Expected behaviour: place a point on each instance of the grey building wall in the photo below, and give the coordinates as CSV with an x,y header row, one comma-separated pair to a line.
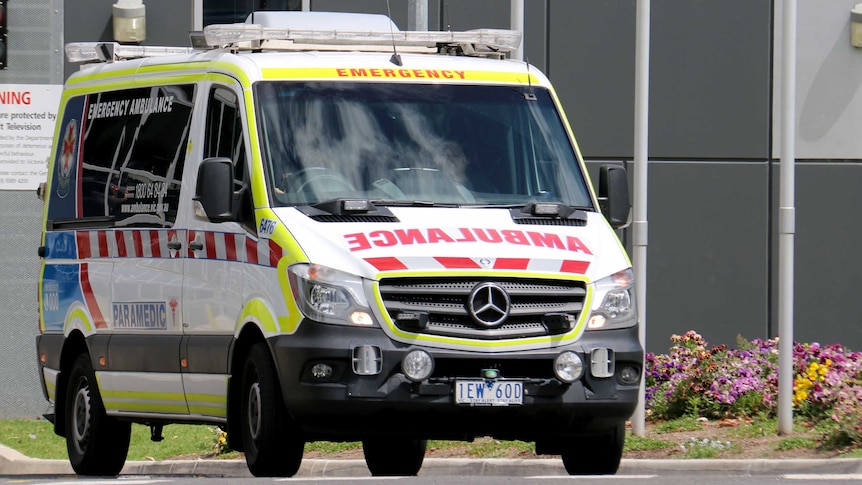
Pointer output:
x,y
168,23
34,57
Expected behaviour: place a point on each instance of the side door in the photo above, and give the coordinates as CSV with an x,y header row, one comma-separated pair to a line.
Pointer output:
x,y
214,270
133,157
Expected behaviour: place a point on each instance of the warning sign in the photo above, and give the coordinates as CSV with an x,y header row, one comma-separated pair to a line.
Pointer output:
x,y
28,113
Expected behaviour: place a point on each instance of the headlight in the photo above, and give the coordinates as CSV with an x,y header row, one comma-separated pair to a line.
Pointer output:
x,y
328,295
614,302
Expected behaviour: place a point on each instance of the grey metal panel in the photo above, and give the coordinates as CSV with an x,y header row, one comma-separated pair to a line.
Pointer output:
x,y
709,76
144,353
827,281
707,257
710,79
398,8
828,82
35,32
591,63
166,23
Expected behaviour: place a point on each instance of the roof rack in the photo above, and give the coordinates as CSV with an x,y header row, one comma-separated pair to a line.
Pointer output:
x,y
480,42
255,37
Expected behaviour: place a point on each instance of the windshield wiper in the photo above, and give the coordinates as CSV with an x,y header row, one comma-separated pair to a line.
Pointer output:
x,y
411,203
550,210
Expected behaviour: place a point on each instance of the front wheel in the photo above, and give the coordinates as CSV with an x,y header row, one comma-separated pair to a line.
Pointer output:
x,y
394,457
97,444
273,448
595,455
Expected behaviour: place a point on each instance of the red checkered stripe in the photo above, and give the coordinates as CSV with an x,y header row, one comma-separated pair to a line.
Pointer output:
x,y
512,264
153,243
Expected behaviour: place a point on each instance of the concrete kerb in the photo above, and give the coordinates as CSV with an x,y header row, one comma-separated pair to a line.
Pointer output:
x,y
13,463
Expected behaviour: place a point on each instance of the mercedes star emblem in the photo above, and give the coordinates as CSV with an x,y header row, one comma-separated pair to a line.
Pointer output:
x,y
489,304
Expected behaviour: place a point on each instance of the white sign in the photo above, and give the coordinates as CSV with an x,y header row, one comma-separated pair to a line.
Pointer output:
x,y
28,113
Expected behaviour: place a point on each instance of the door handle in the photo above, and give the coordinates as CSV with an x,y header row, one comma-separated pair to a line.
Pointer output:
x,y
196,246
175,245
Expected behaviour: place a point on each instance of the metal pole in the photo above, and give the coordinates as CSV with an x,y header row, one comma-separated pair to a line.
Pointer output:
x,y
197,15
417,15
516,21
786,218
639,223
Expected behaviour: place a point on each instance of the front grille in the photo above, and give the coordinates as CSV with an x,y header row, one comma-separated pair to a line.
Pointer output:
x,y
439,306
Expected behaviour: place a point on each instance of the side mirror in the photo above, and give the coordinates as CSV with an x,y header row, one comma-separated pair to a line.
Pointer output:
x,y
214,189
614,195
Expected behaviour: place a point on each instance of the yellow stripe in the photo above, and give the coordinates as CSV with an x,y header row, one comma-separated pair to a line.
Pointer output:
x,y
147,407
257,310
208,398
220,412
143,395
79,313
398,74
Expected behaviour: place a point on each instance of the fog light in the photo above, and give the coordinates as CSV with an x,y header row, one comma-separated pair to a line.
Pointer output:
x,y
417,365
568,367
321,371
367,360
629,375
596,321
361,318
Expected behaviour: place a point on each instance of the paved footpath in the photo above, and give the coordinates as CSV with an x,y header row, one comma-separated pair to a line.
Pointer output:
x,y
13,463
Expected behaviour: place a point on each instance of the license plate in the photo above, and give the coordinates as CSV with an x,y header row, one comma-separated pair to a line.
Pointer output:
x,y
489,393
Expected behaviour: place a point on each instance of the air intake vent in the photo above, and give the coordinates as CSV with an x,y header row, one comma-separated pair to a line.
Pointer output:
x,y
354,218
544,221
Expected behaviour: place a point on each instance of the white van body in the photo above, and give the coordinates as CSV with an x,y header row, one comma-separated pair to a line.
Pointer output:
x,y
298,235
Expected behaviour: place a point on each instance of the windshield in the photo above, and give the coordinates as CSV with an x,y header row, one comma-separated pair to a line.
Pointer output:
x,y
429,143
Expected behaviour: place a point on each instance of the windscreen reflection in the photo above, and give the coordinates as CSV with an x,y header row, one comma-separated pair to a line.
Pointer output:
x,y
441,144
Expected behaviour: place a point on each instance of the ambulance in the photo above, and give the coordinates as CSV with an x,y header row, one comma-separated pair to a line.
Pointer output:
x,y
314,226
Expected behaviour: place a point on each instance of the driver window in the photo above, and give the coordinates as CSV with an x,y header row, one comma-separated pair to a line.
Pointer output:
x,y
224,138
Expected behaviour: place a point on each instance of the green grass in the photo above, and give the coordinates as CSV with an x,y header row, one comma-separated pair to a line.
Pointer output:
x,y
36,439
685,423
640,443
797,442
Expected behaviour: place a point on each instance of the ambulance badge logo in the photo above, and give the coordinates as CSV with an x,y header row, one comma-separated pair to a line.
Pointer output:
x,y
66,162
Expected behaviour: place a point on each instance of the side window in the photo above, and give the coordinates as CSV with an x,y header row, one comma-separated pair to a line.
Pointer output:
x,y
224,138
120,160
224,135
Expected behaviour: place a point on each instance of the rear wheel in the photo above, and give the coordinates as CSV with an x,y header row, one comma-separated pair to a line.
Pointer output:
x,y
273,447
394,457
595,455
97,444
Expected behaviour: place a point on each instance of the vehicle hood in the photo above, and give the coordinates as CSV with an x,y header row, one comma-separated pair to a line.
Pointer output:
x,y
431,240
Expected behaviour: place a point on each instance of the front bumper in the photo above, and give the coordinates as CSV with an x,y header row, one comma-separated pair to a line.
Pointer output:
x,y
347,406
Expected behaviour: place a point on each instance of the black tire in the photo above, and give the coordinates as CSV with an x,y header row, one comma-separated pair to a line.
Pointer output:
x,y
595,455
97,444
273,447
394,457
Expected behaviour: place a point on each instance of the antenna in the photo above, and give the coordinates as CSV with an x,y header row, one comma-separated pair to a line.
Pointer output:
x,y
529,95
395,59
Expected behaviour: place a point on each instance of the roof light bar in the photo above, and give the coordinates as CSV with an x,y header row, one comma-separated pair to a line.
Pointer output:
x,y
112,51
228,35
